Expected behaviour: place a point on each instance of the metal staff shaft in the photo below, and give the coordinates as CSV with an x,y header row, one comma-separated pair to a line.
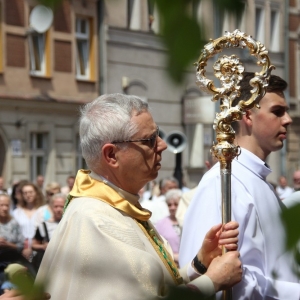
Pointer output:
x,y
226,193
225,151
226,208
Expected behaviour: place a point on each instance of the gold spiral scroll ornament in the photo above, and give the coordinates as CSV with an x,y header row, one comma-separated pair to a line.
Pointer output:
x,y
229,70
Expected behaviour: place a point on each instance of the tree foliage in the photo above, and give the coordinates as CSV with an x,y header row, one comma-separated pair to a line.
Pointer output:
x,y
182,33
291,220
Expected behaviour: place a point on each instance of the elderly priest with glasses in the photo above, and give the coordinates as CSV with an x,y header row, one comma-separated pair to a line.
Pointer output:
x,y
105,247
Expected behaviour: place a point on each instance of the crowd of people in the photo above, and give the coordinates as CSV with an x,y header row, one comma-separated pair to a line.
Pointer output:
x,y
120,241
29,213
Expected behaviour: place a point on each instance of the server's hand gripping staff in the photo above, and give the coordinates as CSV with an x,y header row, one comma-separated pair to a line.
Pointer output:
x,y
229,70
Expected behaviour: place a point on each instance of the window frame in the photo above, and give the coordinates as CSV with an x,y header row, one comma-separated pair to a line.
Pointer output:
x,y
40,45
86,56
260,24
37,153
274,30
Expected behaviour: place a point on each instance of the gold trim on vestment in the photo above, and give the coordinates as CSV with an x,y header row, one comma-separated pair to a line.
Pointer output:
x,y
86,186
168,260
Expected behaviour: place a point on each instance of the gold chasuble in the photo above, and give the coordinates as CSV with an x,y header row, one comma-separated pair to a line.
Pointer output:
x,y
86,186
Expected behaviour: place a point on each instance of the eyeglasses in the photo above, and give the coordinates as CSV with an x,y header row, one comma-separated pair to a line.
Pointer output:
x,y
151,140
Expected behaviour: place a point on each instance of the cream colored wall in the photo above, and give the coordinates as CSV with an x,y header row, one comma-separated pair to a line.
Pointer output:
x,y
59,120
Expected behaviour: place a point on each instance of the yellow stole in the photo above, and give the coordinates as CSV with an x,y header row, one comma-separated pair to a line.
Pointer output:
x,y
86,186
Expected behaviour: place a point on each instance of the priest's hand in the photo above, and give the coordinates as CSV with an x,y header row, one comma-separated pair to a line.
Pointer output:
x,y
225,271
219,235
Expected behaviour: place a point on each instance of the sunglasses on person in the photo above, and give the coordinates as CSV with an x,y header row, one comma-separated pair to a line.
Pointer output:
x,y
152,140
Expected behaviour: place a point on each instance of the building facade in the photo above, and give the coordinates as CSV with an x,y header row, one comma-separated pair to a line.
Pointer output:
x,y
95,47
44,78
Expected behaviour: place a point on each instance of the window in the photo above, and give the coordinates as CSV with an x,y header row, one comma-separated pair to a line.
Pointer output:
x,y
259,25
240,22
37,53
80,161
226,26
83,48
274,31
218,21
130,5
150,13
38,154
134,15
153,16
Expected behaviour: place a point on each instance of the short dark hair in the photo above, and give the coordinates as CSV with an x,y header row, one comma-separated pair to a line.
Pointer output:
x,y
276,85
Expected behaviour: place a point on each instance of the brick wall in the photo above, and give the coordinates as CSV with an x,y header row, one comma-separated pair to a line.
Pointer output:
x,y
14,12
293,3
293,22
15,49
62,18
63,56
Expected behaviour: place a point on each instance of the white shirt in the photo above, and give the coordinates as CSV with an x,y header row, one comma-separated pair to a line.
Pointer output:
x,y
158,207
284,192
28,225
261,239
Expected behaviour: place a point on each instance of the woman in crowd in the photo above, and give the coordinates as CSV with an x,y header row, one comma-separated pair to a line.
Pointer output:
x,y
45,230
169,227
26,214
16,195
45,212
10,232
11,238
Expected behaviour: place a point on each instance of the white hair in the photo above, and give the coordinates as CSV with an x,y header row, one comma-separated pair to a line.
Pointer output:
x,y
173,194
57,196
107,119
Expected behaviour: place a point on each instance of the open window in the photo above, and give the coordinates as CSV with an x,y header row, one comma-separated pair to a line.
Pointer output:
x,y
83,38
37,53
